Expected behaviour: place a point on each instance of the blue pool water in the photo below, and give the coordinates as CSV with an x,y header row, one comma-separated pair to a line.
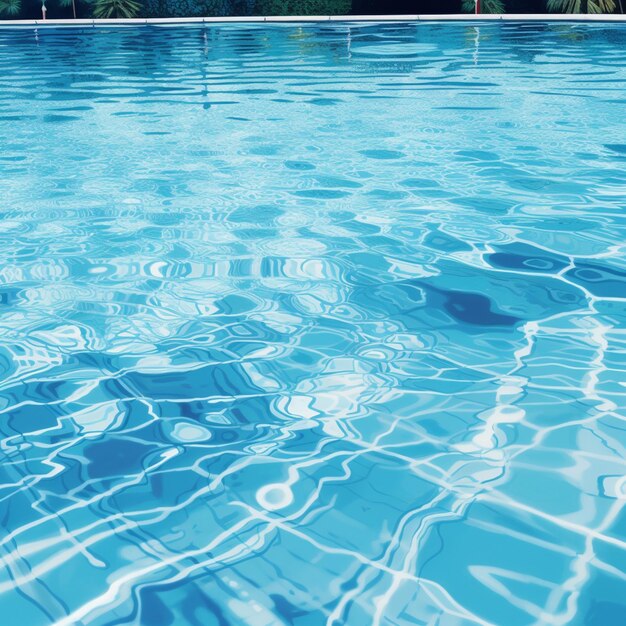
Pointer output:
x,y
318,324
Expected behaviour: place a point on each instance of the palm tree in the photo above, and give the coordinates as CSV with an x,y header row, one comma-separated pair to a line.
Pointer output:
x,y
303,7
14,7
581,6
486,6
116,8
10,7
67,3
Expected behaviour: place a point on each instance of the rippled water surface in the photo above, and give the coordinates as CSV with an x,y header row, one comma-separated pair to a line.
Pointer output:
x,y
311,325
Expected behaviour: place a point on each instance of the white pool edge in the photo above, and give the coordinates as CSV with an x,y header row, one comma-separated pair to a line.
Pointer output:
x,y
458,17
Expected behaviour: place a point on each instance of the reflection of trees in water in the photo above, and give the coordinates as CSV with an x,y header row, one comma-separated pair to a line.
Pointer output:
x,y
525,45
205,54
339,44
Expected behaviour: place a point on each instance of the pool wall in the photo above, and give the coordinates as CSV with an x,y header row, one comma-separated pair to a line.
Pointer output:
x,y
524,17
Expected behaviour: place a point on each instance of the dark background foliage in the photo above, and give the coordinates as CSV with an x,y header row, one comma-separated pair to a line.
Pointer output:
x,y
187,8
31,9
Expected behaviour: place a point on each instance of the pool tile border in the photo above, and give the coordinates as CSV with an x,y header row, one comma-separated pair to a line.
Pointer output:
x,y
515,17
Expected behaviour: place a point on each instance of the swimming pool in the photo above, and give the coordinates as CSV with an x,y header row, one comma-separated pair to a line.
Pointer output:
x,y
313,324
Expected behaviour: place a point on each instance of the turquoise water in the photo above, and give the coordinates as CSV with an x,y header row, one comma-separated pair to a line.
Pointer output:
x,y
319,324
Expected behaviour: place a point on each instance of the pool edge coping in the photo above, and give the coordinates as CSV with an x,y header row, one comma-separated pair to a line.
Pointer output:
x,y
456,17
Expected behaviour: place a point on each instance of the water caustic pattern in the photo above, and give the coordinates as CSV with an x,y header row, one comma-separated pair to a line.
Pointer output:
x,y
309,325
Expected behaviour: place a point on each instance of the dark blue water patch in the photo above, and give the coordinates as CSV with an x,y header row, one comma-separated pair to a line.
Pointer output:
x,y
387,194
265,150
9,296
72,476
21,511
527,295
16,118
236,304
164,604
190,409
419,183
601,601
486,299
467,108
478,155
170,488
604,613
154,612
92,359
253,91
52,118
521,256
467,307
473,308
7,363
301,93
40,391
193,600
11,171
116,456
600,280
324,102
220,379
620,148
31,417
133,114
299,165
296,615
238,421
76,108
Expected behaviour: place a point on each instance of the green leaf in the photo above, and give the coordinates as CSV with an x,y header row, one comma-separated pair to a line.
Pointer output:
x,y
116,8
486,6
10,7
579,6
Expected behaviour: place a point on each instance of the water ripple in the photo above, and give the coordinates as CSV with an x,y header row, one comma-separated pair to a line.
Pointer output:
x,y
313,324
